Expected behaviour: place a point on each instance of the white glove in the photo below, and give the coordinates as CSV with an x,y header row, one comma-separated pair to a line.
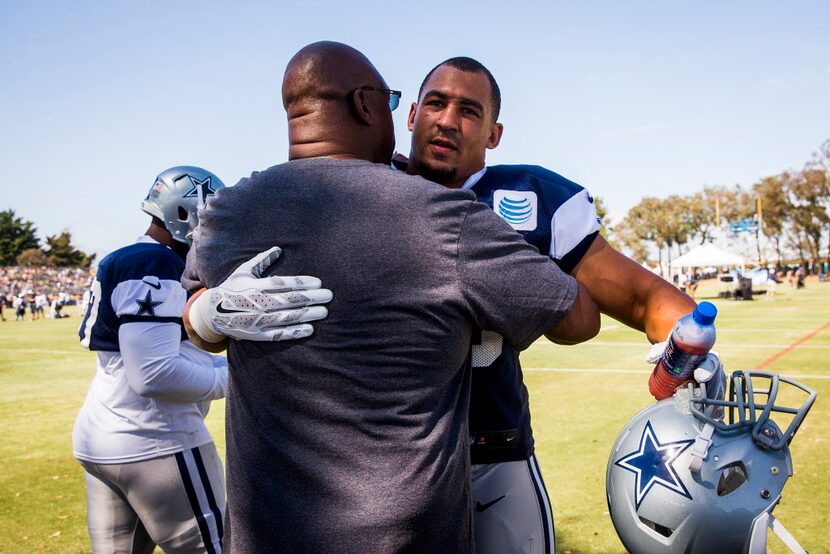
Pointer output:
x,y
248,306
656,352
711,372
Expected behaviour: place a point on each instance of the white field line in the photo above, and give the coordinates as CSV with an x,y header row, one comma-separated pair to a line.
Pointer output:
x,y
7,348
719,345
630,371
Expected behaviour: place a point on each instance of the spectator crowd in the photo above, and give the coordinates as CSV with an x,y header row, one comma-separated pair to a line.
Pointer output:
x,y
41,291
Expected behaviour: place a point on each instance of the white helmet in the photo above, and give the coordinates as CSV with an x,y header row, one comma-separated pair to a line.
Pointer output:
x,y
680,481
176,196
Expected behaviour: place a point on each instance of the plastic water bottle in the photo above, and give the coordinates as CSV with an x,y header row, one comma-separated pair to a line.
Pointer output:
x,y
692,338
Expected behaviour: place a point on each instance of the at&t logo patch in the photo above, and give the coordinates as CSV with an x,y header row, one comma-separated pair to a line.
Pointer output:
x,y
518,208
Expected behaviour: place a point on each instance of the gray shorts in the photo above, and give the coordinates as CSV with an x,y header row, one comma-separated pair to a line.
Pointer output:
x,y
176,502
511,510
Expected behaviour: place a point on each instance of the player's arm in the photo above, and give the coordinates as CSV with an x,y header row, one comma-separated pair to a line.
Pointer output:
x,y
514,291
221,340
155,368
581,323
640,299
629,293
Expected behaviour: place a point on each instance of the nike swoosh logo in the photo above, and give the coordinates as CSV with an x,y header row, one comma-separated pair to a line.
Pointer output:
x,y
223,310
155,285
481,507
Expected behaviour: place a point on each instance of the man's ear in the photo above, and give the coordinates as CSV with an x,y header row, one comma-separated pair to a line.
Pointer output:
x,y
361,107
495,135
410,120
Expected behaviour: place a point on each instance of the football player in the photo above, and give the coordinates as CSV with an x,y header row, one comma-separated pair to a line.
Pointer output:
x,y
453,124
153,476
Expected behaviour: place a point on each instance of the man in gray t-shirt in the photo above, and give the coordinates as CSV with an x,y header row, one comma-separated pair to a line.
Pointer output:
x,y
356,439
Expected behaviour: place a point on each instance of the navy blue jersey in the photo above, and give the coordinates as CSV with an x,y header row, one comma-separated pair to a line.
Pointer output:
x,y
140,282
559,218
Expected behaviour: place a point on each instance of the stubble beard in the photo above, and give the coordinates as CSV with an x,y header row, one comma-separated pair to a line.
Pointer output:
x,y
440,175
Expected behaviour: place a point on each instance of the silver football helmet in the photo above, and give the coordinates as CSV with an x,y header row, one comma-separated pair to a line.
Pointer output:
x,y
682,480
176,196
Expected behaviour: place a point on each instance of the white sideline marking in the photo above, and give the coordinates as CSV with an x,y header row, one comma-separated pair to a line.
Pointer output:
x,y
44,350
718,346
631,371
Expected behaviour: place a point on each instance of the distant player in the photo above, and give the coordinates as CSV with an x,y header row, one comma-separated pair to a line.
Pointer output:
x,y
153,476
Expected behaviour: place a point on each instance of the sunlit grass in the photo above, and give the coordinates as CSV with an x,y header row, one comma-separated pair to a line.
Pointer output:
x,y
44,376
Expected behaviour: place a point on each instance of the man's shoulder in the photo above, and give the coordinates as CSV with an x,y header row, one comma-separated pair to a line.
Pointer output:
x,y
530,173
139,260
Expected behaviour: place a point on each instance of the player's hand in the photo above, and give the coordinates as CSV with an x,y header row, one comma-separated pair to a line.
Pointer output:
x,y
710,370
248,306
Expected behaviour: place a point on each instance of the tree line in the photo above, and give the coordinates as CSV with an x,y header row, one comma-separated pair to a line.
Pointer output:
x,y
788,209
20,245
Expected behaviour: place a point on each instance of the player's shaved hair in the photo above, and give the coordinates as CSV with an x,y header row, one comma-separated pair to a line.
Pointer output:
x,y
328,112
463,63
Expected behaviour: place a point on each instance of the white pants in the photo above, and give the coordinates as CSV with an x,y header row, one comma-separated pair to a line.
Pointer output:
x,y
176,502
511,510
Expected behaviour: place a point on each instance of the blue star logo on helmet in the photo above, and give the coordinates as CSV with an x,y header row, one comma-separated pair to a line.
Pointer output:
x,y
205,186
652,466
518,208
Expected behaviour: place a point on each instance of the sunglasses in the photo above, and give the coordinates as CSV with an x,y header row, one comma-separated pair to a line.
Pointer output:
x,y
394,96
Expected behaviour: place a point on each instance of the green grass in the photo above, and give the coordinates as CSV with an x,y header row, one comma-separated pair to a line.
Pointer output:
x,y
44,376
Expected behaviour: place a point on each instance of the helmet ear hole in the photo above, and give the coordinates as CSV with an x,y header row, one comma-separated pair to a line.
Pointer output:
x,y
731,478
663,530
182,213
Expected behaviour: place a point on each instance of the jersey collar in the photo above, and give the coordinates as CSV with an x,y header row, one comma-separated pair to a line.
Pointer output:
x,y
146,239
474,178
468,184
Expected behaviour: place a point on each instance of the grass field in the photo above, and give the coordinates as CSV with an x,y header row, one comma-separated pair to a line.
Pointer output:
x,y
577,405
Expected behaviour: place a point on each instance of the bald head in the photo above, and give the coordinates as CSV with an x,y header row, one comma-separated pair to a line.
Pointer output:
x,y
329,112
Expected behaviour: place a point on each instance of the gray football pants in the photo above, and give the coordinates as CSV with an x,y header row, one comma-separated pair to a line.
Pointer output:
x,y
511,511
176,502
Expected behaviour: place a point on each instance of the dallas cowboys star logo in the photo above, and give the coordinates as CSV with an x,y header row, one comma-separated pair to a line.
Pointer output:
x,y
205,184
652,466
147,306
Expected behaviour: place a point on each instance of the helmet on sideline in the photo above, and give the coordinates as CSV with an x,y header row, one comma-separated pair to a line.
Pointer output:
x,y
680,480
176,196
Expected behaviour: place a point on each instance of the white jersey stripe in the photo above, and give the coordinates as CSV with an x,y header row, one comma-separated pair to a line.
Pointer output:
x,y
544,503
92,313
208,524
571,223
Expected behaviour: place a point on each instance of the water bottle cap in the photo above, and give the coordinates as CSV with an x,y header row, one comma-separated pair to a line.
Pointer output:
x,y
705,313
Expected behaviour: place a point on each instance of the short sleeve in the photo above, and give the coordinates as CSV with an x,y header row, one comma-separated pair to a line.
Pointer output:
x,y
573,228
509,287
149,299
190,278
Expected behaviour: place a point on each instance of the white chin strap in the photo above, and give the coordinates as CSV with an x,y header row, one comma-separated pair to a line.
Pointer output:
x,y
758,538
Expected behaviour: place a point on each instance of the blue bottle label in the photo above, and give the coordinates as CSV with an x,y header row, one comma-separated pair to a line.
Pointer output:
x,y
680,363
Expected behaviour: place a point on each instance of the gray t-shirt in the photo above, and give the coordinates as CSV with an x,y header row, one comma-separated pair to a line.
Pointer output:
x,y
356,439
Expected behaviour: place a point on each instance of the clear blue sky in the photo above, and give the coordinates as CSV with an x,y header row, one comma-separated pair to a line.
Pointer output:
x,y
627,98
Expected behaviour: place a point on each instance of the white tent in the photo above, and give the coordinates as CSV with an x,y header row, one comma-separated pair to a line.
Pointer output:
x,y
707,255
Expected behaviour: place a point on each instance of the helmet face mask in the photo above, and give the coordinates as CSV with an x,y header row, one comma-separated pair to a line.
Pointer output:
x,y
176,196
659,504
